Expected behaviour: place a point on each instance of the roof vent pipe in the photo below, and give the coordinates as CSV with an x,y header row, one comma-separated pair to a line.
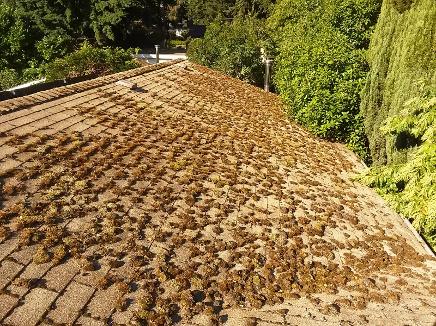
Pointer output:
x,y
157,53
268,66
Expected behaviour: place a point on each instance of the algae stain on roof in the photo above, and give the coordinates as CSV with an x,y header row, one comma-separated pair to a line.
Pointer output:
x,y
192,199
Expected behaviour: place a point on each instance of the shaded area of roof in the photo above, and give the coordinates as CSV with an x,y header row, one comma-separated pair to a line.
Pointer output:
x,y
189,199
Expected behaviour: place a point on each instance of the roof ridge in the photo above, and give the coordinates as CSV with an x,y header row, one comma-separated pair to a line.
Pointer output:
x,y
20,103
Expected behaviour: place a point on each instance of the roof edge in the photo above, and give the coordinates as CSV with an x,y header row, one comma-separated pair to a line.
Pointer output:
x,y
20,103
418,237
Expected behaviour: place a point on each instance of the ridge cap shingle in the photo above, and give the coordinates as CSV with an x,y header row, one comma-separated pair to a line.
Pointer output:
x,y
23,102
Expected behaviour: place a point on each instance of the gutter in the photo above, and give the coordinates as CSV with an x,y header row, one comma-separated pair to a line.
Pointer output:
x,y
25,85
41,85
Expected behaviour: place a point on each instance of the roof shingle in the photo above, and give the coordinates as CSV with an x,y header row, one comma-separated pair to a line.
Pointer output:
x,y
192,195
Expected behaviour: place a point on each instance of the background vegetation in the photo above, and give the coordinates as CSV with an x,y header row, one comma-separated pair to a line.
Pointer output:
x,y
402,52
36,32
90,60
398,105
233,48
321,66
411,186
206,12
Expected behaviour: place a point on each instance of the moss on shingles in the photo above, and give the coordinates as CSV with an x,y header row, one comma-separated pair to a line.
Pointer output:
x,y
402,52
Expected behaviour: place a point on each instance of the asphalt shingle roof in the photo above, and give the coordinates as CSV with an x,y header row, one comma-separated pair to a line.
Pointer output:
x,y
193,200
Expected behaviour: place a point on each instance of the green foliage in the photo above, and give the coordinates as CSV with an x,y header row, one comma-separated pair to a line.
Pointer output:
x,y
321,66
90,60
35,32
233,48
411,186
107,16
53,45
356,20
107,22
8,78
402,51
176,43
402,5
12,39
206,12
34,71
51,26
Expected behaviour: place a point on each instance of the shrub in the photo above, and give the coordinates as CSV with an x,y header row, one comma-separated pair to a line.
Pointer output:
x,y
8,78
53,45
321,66
233,48
402,51
33,72
411,186
13,38
90,60
319,75
175,43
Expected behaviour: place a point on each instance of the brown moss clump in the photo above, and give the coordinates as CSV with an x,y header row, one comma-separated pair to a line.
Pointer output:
x,y
115,263
121,303
59,253
123,287
41,255
331,309
25,282
25,237
105,281
87,264
4,231
12,186
146,304
251,321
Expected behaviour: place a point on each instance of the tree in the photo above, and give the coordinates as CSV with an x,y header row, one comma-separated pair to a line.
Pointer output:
x,y
410,187
205,12
233,48
13,56
321,67
35,32
114,22
402,52
13,38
